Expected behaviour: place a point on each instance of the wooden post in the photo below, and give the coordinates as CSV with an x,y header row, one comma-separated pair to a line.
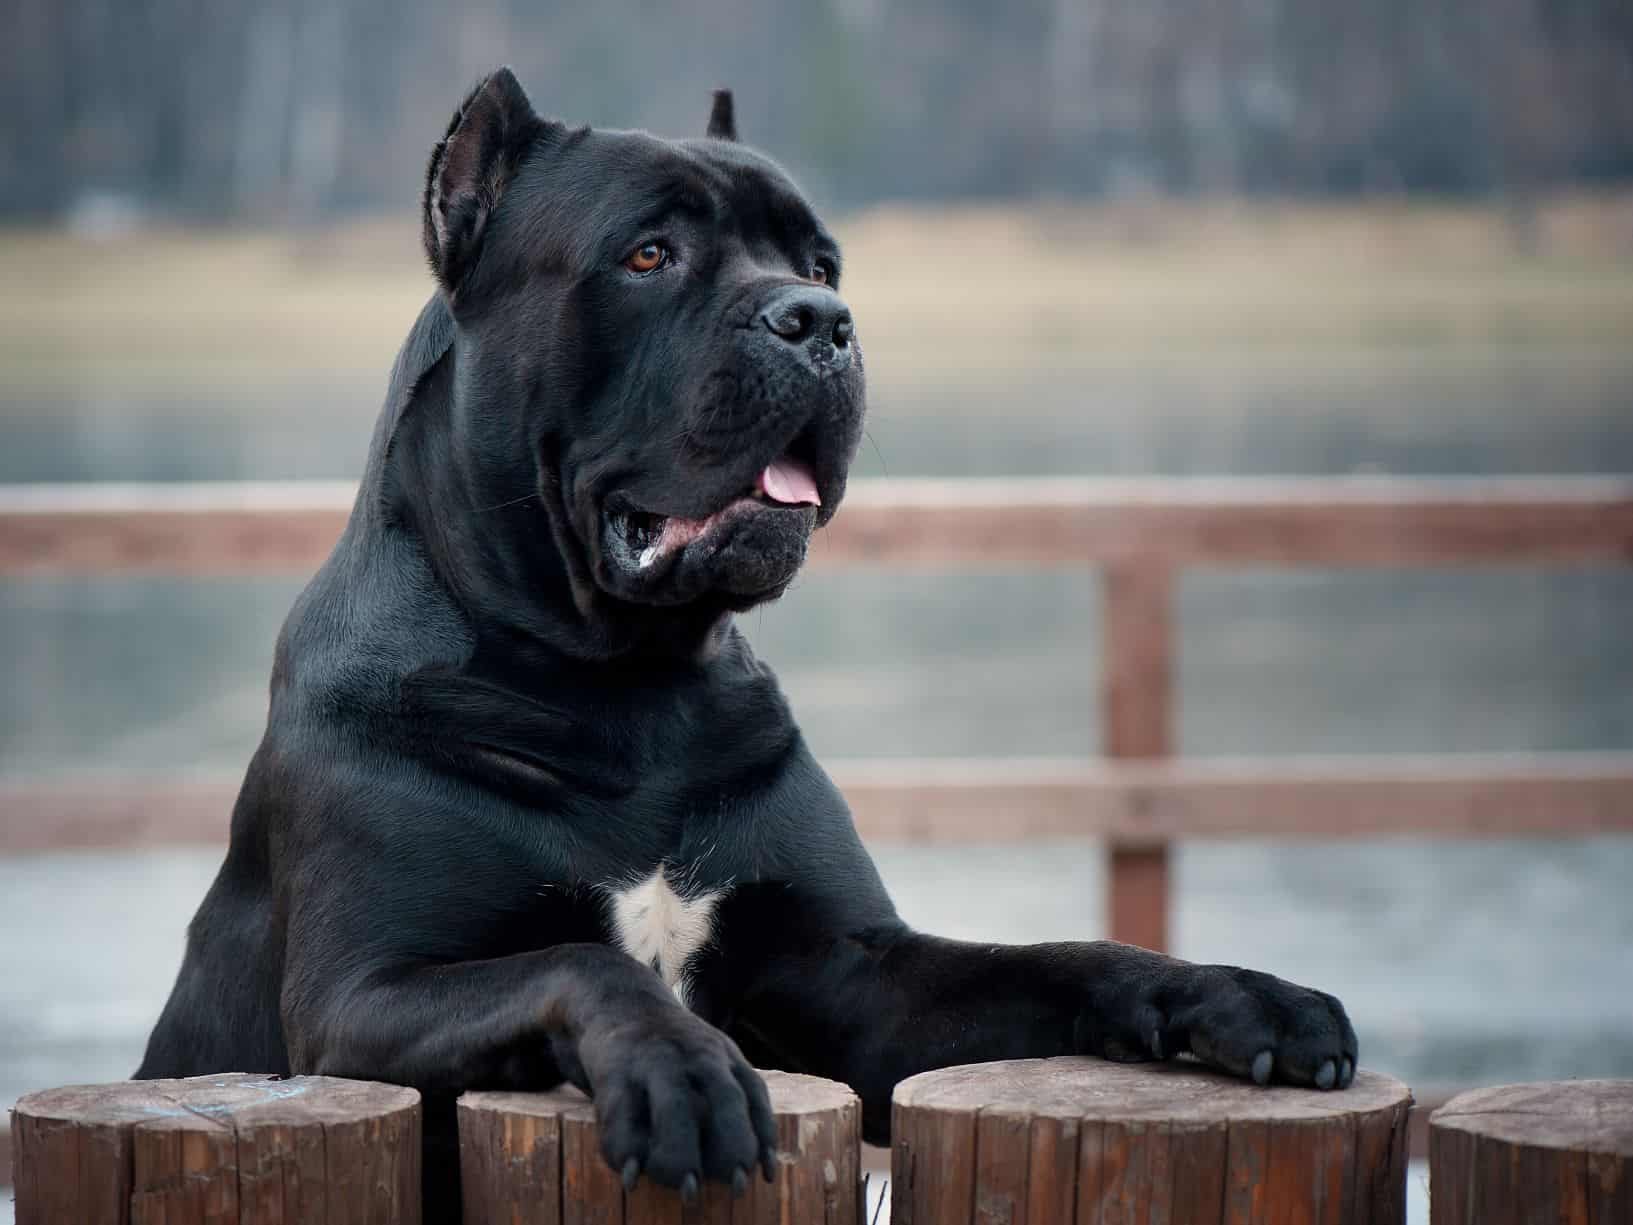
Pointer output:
x,y
535,1159
234,1149
1136,702
1077,1141
1555,1153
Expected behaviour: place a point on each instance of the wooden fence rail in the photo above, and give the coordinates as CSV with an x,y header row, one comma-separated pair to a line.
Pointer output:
x,y
1141,533
1135,805
272,527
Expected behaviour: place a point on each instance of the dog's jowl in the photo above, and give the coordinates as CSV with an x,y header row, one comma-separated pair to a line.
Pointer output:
x,y
528,808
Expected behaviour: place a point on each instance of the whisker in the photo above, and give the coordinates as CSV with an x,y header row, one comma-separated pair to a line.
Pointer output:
x,y
526,497
880,455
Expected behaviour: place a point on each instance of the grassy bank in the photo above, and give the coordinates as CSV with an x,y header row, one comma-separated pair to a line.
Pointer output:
x,y
938,292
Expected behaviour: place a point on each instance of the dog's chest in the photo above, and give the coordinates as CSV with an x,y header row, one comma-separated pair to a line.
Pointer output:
x,y
663,928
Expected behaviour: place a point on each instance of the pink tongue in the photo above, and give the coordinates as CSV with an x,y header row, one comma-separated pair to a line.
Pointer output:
x,y
788,480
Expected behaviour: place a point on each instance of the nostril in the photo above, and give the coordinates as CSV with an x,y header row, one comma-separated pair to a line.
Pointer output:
x,y
844,329
793,322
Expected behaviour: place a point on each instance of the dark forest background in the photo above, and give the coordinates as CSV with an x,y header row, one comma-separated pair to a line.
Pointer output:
x,y
290,110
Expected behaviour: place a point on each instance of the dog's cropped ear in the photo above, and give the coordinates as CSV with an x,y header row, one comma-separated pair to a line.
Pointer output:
x,y
486,140
722,119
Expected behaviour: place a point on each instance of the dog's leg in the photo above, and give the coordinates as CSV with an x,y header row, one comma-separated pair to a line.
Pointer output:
x,y
876,1006
676,1099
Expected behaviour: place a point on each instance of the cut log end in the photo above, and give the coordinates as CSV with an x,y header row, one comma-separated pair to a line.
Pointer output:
x,y
1559,1151
535,1159
225,1148
1073,1140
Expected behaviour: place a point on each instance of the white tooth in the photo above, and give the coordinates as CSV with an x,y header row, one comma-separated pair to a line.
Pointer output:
x,y
648,556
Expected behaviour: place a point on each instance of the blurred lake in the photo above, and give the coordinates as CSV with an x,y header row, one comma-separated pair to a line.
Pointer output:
x,y
163,674
1469,961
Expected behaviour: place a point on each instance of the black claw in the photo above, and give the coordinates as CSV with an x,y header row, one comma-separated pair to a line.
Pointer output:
x,y
768,1165
688,1188
1261,1068
1326,1075
1156,1044
739,1181
632,1173
1346,1073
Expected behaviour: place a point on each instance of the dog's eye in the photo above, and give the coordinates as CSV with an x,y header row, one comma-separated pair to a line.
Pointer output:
x,y
648,257
823,272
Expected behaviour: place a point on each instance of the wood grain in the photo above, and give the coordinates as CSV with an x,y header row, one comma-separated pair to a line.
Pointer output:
x,y
234,1149
1134,804
1136,715
289,527
535,1159
1142,531
1557,1153
1157,1144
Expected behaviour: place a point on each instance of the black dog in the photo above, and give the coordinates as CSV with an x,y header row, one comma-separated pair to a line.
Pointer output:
x,y
528,809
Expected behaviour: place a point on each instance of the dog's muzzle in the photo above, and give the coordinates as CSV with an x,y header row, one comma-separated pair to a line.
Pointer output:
x,y
814,322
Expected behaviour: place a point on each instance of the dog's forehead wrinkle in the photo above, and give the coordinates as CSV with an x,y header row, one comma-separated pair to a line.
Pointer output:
x,y
753,182
591,195
577,200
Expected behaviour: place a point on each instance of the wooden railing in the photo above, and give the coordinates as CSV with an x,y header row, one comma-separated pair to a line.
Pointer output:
x,y
1140,533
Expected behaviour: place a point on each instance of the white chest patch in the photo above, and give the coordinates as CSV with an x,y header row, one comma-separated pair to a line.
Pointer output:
x,y
661,929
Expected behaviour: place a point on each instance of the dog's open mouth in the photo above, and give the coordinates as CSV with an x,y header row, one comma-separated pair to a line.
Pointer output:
x,y
785,484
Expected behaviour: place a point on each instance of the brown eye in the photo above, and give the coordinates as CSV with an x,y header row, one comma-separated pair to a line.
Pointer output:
x,y
647,257
821,274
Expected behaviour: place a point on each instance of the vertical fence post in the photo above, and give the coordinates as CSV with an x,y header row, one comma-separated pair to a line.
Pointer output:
x,y
1136,701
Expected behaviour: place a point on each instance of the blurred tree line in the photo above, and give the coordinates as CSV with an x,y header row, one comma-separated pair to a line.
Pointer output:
x,y
296,109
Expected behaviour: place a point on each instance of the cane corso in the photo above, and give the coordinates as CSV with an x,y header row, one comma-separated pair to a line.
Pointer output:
x,y
528,808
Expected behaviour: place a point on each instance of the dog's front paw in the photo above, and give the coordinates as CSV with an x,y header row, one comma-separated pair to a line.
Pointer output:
x,y
1254,1025
1263,1027
676,1100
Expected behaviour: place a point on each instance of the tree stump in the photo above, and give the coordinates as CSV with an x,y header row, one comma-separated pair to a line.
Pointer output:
x,y
1559,1154
1075,1141
234,1149
535,1159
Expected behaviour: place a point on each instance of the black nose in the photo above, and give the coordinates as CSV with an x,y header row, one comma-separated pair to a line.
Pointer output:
x,y
803,313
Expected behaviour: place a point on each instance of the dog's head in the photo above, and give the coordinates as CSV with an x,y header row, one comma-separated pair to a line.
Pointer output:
x,y
650,337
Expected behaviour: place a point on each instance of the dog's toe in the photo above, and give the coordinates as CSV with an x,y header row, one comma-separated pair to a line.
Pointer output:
x,y
682,1107
1265,1029
1263,1062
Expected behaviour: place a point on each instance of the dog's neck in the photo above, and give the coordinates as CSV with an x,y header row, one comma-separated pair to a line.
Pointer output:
x,y
456,471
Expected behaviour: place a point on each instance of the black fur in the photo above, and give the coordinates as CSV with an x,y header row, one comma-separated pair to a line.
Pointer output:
x,y
485,710
490,133
722,117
